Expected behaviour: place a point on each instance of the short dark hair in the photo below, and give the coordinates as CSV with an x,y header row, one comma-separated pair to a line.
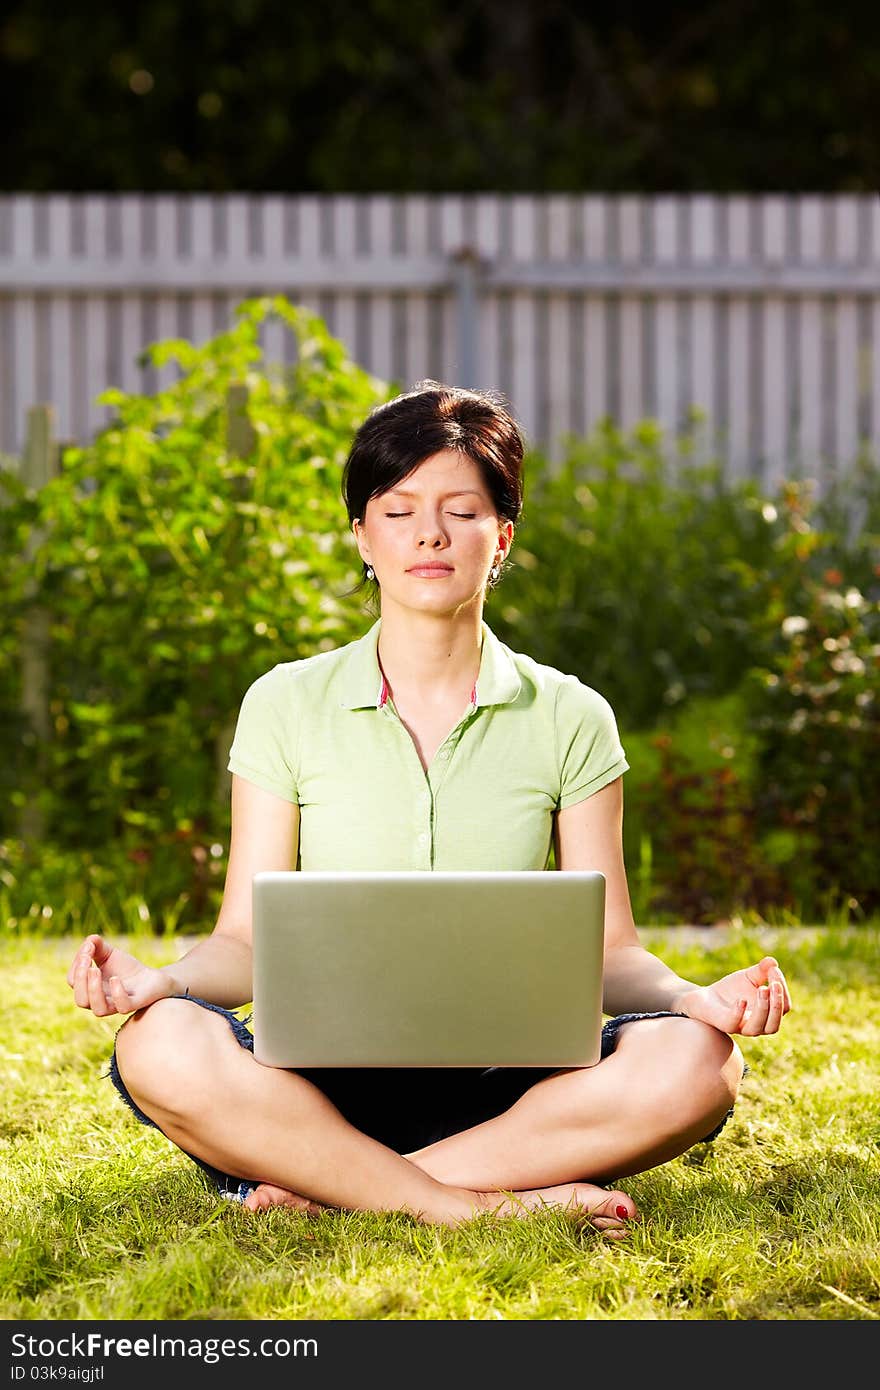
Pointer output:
x,y
401,433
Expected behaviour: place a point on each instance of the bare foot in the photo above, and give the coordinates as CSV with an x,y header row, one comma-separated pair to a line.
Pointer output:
x,y
267,1195
610,1211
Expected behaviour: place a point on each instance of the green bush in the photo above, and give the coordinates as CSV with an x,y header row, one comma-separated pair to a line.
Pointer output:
x,y
175,572
690,840
644,582
815,705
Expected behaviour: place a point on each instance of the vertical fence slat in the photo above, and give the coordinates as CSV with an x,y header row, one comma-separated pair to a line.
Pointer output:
x,y
873,368
310,245
201,253
7,375
667,362
24,360
97,366
523,247
61,338
201,318
704,253
556,414
488,242
810,385
627,384
95,314
345,302
739,353
164,317
775,402
381,356
846,374
131,338
594,232
273,331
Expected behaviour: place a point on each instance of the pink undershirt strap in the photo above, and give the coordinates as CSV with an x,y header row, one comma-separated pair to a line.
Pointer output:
x,y
383,694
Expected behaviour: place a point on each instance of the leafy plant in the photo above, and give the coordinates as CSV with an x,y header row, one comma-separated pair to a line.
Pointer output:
x,y
816,705
174,572
643,582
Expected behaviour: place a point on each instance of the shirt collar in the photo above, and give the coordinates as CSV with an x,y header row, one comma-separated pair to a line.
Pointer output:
x,y
498,682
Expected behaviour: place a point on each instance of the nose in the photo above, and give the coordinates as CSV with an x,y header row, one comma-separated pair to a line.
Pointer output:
x,y
431,533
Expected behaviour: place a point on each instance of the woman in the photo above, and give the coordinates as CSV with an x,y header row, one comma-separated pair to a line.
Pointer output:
x,y
488,758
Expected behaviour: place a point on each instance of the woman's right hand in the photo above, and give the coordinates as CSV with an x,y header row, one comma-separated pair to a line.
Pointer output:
x,y
109,981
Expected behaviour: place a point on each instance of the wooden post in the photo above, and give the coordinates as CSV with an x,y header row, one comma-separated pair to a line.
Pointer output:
x,y
39,463
241,437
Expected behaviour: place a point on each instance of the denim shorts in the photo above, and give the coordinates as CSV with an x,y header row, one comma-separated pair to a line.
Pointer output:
x,y
404,1108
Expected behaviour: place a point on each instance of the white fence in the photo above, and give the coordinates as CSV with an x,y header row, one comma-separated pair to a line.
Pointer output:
x,y
763,312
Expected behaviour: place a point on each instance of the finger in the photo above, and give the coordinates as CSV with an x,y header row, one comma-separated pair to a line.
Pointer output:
x,y
776,1007
759,974
101,949
82,968
755,1017
97,997
741,1017
83,954
120,996
777,977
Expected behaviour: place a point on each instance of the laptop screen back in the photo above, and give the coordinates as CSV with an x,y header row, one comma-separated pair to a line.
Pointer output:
x,y
423,969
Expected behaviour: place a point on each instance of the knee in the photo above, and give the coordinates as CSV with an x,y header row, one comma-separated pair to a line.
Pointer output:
x,y
692,1071
157,1053
705,1070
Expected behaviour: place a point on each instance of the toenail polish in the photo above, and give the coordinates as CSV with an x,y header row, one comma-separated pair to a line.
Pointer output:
x,y
622,1213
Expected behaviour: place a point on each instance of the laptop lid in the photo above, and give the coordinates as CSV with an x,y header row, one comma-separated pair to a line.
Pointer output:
x,y
424,969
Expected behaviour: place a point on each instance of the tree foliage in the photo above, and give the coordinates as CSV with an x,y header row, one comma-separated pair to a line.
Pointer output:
x,y
440,95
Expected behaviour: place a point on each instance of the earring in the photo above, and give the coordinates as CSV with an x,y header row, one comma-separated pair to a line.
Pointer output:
x,y
371,573
494,571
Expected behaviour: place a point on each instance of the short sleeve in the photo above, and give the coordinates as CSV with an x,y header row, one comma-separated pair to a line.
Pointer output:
x,y
263,748
590,752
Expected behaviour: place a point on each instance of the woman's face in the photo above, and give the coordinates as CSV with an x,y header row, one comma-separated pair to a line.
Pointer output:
x,y
433,539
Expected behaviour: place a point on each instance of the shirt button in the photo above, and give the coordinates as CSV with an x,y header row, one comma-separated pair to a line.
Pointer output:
x,y
423,839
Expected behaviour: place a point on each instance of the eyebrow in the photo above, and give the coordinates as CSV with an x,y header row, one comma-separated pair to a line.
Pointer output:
x,y
465,492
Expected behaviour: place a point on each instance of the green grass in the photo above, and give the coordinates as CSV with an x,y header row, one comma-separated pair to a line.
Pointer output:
x,y
778,1219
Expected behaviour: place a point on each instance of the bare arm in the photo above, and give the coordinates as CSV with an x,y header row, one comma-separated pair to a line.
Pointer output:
x,y
265,836
589,835
752,1001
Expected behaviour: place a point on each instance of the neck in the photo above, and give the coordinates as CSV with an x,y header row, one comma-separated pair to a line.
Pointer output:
x,y
433,657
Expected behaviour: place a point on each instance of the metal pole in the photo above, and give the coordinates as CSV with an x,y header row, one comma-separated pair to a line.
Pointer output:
x,y
466,272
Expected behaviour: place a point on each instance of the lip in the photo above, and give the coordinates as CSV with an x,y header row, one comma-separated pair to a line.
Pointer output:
x,y
429,571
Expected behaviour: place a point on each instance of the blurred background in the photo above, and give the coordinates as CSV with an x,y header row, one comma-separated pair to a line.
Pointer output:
x,y
227,230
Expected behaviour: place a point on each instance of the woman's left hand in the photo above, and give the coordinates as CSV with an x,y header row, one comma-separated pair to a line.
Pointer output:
x,y
750,1002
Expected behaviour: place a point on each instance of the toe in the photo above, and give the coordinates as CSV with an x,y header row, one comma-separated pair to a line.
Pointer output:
x,y
620,1207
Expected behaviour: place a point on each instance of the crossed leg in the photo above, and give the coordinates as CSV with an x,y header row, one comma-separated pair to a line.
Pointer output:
x,y
669,1083
639,1107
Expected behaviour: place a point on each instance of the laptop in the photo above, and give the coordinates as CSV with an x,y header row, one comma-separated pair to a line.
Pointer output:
x,y
428,969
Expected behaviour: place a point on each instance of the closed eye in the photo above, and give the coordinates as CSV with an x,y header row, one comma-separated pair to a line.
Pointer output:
x,y
465,516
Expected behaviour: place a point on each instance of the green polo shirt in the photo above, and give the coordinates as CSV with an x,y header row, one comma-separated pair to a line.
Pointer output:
x,y
323,733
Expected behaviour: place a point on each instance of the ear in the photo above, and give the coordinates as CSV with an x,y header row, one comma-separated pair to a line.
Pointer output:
x,y
360,540
505,539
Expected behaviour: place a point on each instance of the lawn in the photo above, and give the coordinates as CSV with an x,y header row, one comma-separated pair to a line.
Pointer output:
x,y
779,1219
